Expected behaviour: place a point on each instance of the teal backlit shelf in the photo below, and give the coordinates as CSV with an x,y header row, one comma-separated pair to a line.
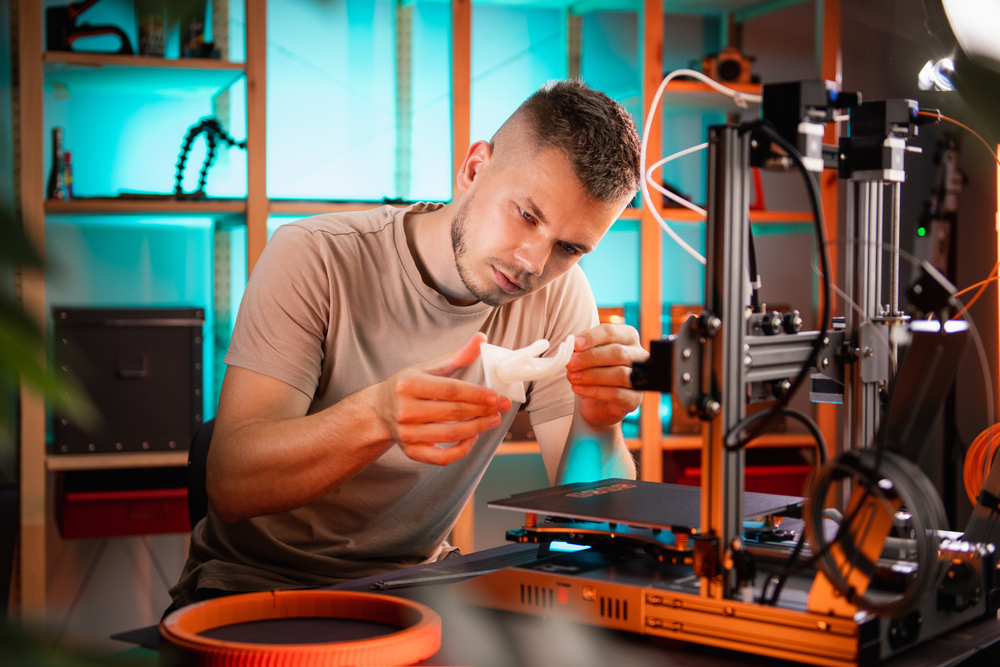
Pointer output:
x,y
745,8
123,206
139,75
319,206
574,6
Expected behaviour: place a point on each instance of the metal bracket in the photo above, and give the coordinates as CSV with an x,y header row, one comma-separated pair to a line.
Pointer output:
x,y
777,357
687,350
874,357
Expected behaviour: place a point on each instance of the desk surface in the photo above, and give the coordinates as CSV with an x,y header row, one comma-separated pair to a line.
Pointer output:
x,y
487,638
490,638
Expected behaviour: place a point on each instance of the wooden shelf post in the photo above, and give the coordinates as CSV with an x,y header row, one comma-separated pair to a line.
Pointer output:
x,y
461,84
256,73
463,534
31,191
650,308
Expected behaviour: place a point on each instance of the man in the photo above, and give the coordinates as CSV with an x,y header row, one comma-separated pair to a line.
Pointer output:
x,y
355,356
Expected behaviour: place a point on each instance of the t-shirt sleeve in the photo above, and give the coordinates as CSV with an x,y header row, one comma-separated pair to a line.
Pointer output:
x,y
283,318
570,310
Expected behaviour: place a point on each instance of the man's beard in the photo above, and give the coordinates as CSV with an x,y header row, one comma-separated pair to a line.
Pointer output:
x,y
458,246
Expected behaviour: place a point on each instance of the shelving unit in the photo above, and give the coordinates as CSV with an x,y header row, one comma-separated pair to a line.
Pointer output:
x,y
115,74
196,76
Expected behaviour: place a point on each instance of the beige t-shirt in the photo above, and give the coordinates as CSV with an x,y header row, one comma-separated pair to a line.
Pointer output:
x,y
336,304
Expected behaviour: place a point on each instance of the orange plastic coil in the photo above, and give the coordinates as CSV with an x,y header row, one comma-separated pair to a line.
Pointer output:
x,y
979,460
418,638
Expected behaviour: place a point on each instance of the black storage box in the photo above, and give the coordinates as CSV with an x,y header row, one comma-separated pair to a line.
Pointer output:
x,y
142,369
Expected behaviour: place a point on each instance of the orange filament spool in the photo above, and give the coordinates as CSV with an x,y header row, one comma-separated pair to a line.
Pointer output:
x,y
418,637
979,460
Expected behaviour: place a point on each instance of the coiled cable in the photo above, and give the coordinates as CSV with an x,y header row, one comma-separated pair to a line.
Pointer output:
x,y
979,460
887,476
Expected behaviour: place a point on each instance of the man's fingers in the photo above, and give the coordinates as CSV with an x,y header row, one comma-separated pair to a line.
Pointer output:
x,y
425,452
608,376
445,431
606,355
604,334
460,358
418,411
432,387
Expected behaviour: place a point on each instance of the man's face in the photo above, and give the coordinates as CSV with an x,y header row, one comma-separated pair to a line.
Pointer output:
x,y
524,223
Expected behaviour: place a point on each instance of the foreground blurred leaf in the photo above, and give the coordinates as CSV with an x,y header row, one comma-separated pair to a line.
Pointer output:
x,y
21,353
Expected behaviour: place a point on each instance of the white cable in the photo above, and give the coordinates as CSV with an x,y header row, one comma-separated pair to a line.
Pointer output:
x,y
672,195
740,99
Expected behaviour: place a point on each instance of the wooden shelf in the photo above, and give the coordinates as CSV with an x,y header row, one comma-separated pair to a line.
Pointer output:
x,y
684,93
756,217
139,75
124,206
781,217
712,7
316,207
510,447
575,6
118,205
118,461
681,442
96,60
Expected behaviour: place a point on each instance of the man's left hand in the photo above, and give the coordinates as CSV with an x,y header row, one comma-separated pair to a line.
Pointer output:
x,y
599,372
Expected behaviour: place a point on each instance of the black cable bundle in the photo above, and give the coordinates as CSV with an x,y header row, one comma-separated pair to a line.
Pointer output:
x,y
763,423
213,133
882,474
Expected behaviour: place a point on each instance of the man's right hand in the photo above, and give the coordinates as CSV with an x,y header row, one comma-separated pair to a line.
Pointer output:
x,y
424,405
269,454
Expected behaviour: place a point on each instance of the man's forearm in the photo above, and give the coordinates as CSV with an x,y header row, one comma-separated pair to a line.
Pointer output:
x,y
594,453
264,466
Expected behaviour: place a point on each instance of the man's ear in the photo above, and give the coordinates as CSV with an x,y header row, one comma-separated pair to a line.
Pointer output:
x,y
477,158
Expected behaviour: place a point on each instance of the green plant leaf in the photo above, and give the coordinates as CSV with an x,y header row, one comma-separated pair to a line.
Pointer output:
x,y
20,359
15,247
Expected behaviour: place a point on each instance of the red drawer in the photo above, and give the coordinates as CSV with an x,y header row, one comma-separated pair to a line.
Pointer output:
x,y
90,514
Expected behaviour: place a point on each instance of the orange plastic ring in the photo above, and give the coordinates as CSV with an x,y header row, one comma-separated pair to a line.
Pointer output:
x,y
419,636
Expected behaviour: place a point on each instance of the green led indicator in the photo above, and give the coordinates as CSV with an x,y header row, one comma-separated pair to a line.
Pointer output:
x,y
921,231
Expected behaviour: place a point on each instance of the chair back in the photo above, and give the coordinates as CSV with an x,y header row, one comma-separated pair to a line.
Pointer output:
x,y
197,466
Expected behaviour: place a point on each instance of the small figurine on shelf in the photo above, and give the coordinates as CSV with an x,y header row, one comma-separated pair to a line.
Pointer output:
x,y
150,22
67,174
57,187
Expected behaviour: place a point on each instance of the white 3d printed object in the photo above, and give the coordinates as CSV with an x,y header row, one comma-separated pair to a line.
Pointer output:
x,y
508,370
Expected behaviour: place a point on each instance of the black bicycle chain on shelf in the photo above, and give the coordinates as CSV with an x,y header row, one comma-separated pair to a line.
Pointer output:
x,y
213,133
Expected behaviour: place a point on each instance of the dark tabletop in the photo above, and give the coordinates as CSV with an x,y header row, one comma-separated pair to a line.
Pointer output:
x,y
490,638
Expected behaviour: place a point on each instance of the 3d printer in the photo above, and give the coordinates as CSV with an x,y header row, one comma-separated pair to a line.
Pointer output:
x,y
860,569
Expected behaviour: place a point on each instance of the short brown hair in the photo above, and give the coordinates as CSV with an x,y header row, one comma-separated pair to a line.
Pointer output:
x,y
596,134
